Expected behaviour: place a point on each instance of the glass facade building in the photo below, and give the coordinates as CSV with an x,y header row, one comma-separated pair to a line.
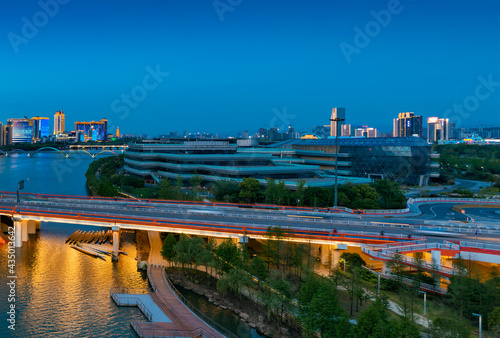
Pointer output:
x,y
40,128
405,160
94,130
21,130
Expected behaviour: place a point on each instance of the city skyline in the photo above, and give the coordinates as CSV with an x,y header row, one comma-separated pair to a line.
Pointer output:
x,y
256,63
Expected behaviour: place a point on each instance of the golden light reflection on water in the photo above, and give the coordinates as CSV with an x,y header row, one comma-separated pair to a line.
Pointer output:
x,y
64,292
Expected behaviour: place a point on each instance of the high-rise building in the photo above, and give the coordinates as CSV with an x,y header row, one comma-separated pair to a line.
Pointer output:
x,y
371,132
40,128
59,123
336,113
359,132
94,130
346,130
21,130
452,131
437,129
1,134
117,132
6,135
407,124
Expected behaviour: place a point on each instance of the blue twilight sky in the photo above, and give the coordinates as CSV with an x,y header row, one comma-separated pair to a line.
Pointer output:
x,y
230,65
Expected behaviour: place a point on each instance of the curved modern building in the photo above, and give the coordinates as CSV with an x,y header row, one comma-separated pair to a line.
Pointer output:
x,y
361,160
406,160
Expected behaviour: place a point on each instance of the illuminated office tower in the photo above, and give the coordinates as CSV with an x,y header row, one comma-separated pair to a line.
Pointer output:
x,y
346,130
336,113
59,124
371,132
40,127
94,130
407,124
359,132
437,129
21,130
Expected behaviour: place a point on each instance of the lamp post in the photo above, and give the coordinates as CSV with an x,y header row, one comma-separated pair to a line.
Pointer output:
x,y
480,322
378,285
425,300
20,186
336,120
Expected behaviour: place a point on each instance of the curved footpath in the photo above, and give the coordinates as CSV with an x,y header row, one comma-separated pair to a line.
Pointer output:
x,y
183,320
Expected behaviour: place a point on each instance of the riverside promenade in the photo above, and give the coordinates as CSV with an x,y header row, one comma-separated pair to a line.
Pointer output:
x,y
183,322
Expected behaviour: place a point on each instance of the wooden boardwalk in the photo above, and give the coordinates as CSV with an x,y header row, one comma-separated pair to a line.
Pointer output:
x,y
184,322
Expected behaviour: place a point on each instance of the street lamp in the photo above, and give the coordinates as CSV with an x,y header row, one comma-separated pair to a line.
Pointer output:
x,y
336,120
425,300
480,322
20,186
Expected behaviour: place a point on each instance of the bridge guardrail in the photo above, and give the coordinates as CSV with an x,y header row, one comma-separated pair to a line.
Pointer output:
x,y
330,221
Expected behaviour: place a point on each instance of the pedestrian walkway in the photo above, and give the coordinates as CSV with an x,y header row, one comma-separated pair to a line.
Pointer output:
x,y
154,313
182,319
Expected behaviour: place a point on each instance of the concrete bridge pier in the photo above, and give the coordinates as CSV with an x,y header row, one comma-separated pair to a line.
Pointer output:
x,y
17,236
325,253
24,230
116,242
32,227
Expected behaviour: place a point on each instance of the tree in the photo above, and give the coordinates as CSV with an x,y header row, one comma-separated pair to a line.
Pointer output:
x,y
196,182
187,250
206,256
178,187
300,191
235,280
271,191
166,191
390,194
398,267
320,310
223,190
249,187
258,268
374,321
353,260
282,193
448,327
229,256
167,250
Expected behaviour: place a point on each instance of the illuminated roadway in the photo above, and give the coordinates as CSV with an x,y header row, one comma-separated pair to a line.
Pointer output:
x,y
199,214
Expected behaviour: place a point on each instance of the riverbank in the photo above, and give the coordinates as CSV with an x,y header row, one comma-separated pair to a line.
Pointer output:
x,y
247,310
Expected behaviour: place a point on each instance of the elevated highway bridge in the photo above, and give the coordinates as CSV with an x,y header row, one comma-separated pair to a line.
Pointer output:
x,y
330,230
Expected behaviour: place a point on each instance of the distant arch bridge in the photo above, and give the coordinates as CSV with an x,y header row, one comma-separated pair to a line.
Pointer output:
x,y
66,154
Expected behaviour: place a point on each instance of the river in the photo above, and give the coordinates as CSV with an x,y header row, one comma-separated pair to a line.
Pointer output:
x,y
61,292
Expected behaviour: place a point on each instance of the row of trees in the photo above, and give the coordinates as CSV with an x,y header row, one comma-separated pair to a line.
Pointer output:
x,y
475,162
314,300
103,180
379,194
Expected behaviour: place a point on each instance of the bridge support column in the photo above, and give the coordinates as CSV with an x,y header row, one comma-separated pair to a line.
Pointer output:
x,y
24,231
37,225
335,258
219,241
325,253
386,269
436,256
116,242
31,227
17,228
